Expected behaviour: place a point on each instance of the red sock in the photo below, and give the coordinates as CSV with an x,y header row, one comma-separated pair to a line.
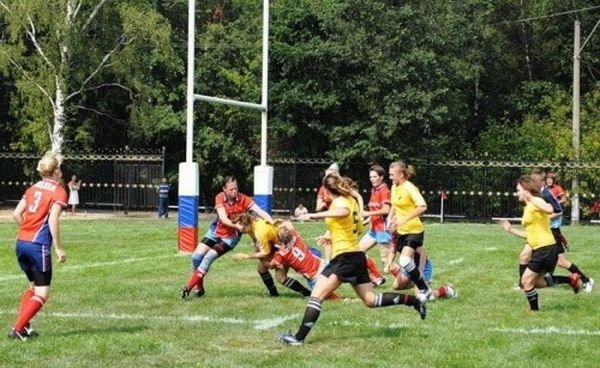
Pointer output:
x,y
29,310
373,268
442,292
196,279
395,271
27,294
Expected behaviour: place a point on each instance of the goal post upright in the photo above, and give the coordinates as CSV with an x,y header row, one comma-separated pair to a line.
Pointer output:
x,y
189,187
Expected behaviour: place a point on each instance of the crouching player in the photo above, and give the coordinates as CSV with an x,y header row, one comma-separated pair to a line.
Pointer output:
x,y
293,253
402,280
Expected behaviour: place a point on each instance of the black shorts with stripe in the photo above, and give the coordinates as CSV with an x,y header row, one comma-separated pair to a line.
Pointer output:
x,y
544,259
560,247
409,240
349,267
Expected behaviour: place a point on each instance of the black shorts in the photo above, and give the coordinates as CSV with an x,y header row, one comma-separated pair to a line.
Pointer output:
x,y
560,247
409,240
349,267
543,259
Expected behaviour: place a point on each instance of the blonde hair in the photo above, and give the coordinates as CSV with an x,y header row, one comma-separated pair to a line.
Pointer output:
x,y
49,163
284,234
337,185
407,170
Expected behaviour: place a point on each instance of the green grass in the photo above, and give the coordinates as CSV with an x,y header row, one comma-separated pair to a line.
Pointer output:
x,y
115,303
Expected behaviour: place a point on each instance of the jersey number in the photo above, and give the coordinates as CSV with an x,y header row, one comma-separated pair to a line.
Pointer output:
x,y
37,197
299,254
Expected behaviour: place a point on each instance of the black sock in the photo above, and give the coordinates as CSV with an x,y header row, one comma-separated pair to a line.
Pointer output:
x,y
386,299
296,286
561,280
415,276
532,298
575,269
269,283
311,315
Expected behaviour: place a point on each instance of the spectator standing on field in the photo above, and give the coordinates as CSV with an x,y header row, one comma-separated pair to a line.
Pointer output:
x,y
163,198
74,186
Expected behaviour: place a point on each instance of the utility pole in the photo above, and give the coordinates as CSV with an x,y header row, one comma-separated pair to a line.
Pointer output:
x,y
576,122
576,107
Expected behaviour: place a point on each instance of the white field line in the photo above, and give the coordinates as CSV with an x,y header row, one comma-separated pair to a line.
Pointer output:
x,y
456,261
548,330
490,249
259,324
67,267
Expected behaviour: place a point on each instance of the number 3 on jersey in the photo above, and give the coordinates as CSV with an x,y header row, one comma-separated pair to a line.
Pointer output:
x,y
37,197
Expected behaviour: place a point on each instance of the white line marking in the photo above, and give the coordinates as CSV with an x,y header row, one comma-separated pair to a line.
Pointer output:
x,y
455,261
490,249
548,330
67,267
259,324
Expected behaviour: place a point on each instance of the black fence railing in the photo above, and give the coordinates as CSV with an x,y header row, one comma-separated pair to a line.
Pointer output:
x,y
474,190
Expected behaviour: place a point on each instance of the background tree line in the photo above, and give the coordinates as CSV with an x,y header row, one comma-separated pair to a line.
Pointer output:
x,y
352,80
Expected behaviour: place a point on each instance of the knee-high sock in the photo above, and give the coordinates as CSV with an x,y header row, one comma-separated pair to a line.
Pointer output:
x,y
575,269
296,286
532,298
387,299
311,315
415,276
27,294
373,268
269,283
196,280
30,309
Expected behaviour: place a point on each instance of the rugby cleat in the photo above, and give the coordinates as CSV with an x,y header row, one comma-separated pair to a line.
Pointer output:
x,y
588,286
289,339
30,331
185,292
378,282
425,295
450,290
422,309
17,335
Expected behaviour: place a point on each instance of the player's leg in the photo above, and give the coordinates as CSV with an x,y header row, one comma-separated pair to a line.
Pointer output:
x,y
263,270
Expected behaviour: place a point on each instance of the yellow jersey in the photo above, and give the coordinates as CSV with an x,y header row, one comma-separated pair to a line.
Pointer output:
x,y
537,227
405,198
344,230
264,235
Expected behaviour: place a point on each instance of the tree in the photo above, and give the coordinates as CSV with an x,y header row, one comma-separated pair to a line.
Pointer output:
x,y
72,60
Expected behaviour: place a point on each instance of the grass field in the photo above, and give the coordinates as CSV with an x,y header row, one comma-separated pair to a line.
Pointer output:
x,y
115,303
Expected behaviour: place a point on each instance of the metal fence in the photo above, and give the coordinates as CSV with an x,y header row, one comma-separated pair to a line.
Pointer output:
x,y
124,180
474,190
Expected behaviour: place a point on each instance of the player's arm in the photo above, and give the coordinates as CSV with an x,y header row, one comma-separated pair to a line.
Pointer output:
x,y
261,213
19,210
222,214
384,210
541,204
335,212
53,221
263,253
508,227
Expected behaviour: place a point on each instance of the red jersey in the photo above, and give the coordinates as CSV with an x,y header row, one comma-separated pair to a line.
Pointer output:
x,y
240,204
321,195
379,197
557,191
298,257
39,199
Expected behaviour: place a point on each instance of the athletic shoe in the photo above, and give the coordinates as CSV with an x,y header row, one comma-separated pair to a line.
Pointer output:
x,y
422,309
14,334
450,290
588,286
30,331
289,339
199,293
425,295
273,293
378,282
185,292
574,282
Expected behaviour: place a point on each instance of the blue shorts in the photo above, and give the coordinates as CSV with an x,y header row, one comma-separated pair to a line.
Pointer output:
x,y
33,256
381,237
427,271
210,239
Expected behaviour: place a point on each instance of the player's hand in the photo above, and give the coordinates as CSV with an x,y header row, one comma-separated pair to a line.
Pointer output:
x,y
61,254
304,217
240,257
323,240
505,224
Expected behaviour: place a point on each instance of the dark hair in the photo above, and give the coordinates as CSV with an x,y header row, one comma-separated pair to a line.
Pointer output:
x,y
407,170
229,179
530,184
378,169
